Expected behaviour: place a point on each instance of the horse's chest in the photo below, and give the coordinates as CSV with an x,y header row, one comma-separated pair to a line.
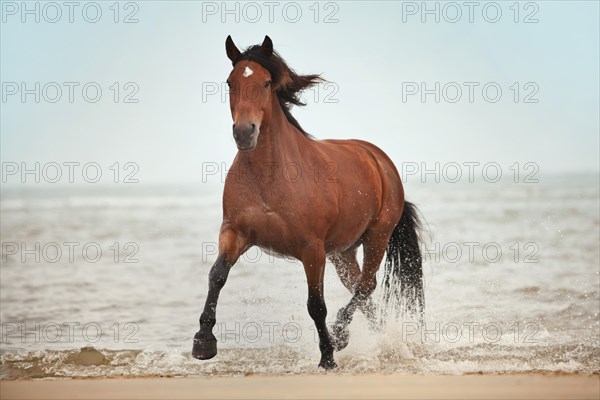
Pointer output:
x,y
268,228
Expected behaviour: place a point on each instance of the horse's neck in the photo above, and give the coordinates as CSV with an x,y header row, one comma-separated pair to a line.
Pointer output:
x,y
279,141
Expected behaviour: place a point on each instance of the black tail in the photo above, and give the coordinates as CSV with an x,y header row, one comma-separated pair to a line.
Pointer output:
x,y
403,279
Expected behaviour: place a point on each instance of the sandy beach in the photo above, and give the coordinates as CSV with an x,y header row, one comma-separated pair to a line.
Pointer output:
x,y
334,386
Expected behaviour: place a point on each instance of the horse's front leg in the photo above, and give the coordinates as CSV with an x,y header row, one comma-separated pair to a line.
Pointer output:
x,y
231,246
313,260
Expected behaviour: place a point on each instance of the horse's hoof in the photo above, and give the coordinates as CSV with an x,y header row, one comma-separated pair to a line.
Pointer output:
x,y
341,337
205,348
327,364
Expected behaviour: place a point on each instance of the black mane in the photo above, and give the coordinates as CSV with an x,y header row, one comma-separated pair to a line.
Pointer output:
x,y
288,85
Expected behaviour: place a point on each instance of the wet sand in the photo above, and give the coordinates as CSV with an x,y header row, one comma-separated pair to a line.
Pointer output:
x,y
331,385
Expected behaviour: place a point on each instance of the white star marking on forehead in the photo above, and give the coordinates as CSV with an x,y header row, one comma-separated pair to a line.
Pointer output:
x,y
247,72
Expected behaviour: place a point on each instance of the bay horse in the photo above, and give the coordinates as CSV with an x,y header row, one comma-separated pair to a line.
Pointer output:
x,y
341,194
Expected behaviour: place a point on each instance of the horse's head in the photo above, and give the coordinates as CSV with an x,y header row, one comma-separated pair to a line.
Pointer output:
x,y
250,93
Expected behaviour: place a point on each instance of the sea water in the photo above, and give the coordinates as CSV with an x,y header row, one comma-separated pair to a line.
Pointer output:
x,y
110,281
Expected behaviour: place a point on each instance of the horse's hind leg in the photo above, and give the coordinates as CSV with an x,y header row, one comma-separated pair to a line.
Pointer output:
x,y
231,246
374,246
348,270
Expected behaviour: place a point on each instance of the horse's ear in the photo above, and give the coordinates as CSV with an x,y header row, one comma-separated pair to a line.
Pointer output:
x,y
267,47
232,51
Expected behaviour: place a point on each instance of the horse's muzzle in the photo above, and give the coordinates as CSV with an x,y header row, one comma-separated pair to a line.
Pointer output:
x,y
245,135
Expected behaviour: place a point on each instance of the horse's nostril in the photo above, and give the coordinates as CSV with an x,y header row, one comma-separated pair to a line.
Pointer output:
x,y
253,126
233,126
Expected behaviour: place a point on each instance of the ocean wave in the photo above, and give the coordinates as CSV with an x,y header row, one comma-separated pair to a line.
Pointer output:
x,y
283,359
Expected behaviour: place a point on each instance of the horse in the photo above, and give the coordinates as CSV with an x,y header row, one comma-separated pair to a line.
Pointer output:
x,y
342,194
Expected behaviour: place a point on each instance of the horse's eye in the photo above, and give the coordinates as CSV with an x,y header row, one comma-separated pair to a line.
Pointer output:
x,y
267,84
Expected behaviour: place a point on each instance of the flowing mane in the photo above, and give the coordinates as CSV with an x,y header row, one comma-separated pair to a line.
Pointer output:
x,y
288,84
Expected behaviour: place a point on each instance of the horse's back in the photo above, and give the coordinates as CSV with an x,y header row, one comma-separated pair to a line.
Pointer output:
x,y
367,155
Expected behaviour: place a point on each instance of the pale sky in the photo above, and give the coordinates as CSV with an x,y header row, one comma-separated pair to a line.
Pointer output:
x,y
372,52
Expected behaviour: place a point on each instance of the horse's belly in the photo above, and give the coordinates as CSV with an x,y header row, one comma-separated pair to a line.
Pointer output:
x,y
343,240
273,253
